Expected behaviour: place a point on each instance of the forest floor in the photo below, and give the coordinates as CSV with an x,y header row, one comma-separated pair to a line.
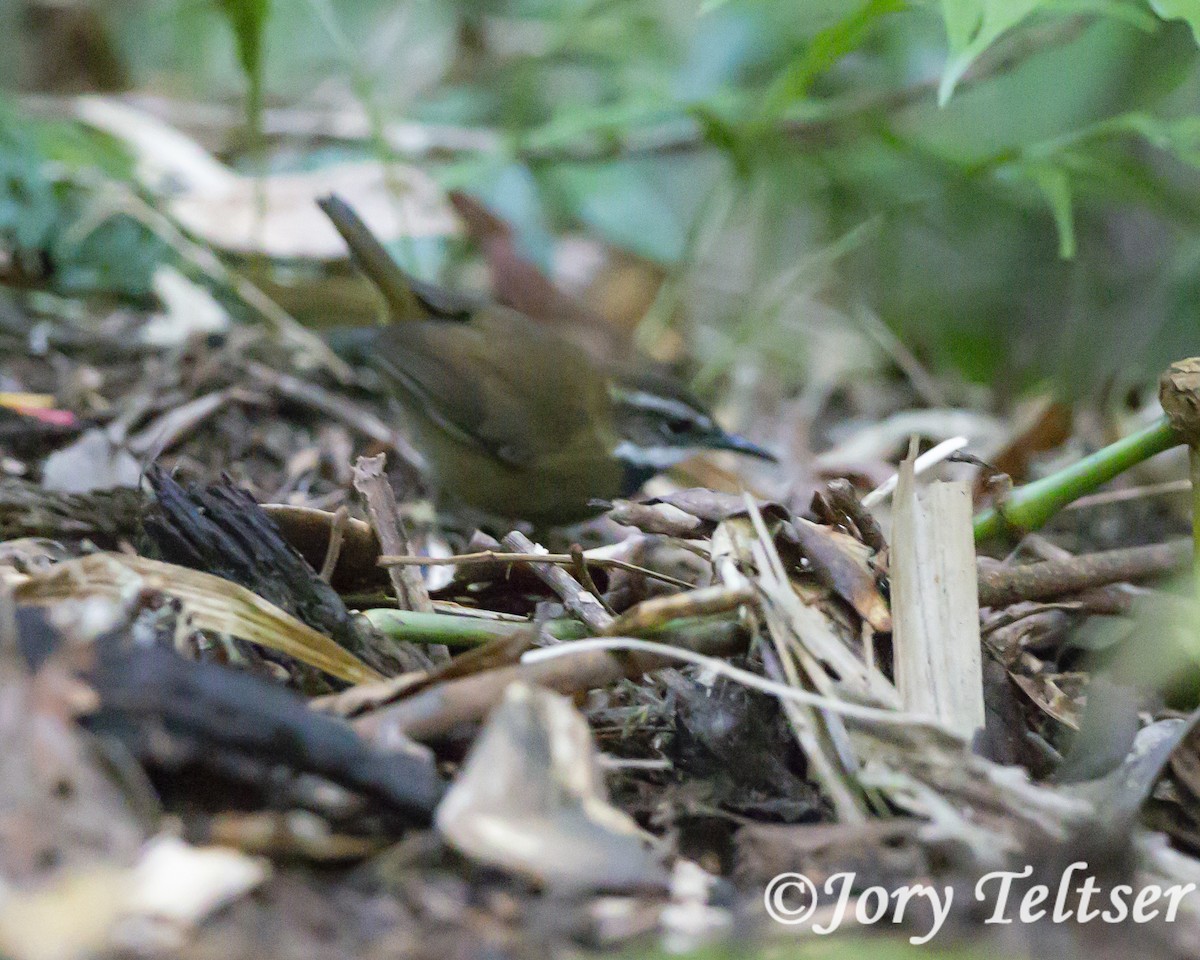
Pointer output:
x,y
229,731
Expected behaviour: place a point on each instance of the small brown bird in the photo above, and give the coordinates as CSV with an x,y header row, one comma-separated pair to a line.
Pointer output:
x,y
516,420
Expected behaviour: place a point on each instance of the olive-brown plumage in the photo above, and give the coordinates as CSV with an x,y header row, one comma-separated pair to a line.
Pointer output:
x,y
516,420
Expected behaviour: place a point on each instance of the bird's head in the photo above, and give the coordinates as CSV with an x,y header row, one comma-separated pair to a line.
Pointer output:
x,y
659,425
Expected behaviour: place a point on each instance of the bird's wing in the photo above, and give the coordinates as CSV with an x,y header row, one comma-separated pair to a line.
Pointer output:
x,y
474,380
441,302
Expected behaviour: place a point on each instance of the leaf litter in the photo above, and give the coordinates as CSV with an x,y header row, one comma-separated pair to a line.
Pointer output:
x,y
207,676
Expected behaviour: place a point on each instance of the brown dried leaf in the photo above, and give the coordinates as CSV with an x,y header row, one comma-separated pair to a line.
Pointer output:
x,y
843,563
1048,697
660,518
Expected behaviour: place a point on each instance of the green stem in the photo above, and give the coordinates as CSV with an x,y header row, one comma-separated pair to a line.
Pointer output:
x,y
1030,506
459,631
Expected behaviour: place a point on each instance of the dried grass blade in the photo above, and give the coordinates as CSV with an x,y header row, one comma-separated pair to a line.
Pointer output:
x,y
210,602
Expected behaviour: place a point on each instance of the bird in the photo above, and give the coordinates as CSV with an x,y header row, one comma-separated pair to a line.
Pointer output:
x,y
515,419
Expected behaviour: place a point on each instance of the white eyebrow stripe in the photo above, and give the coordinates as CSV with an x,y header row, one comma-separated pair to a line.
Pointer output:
x,y
651,401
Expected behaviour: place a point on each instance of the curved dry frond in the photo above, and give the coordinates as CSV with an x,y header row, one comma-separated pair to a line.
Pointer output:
x,y
210,603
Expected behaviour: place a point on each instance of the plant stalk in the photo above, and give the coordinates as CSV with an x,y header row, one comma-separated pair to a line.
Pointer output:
x,y
1030,506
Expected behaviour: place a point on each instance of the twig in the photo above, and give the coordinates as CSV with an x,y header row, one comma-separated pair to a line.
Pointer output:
x,y
445,708
584,576
695,603
1108,497
1046,579
781,691
577,600
842,496
337,536
372,484
560,559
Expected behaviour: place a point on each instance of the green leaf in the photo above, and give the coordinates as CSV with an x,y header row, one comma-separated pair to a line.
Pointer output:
x,y
624,206
971,27
53,203
248,19
1056,188
729,137
1186,10
574,122
822,52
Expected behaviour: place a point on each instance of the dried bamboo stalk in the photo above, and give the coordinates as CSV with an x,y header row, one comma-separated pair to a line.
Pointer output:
x,y
935,603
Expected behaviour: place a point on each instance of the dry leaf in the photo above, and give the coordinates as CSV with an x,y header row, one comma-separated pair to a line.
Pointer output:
x,y
531,799
274,215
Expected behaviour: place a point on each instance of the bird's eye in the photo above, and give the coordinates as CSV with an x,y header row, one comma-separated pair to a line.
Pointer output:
x,y
677,425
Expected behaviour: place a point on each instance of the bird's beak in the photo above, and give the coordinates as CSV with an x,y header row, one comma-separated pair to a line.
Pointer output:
x,y
739,444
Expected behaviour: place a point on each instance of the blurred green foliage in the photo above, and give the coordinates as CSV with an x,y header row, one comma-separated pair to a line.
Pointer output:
x,y
248,19
1029,167
55,210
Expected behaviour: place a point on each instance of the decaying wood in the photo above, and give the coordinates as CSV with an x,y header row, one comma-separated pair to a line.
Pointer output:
x,y
935,603
27,510
219,529
217,716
